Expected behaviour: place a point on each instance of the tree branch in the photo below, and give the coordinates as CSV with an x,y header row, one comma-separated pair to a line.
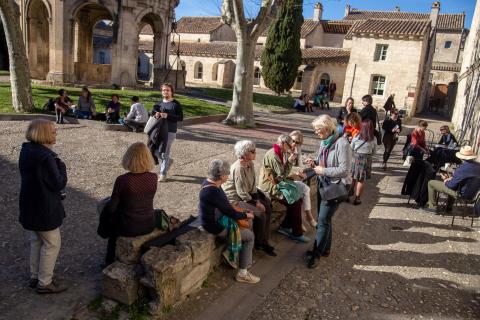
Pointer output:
x,y
268,10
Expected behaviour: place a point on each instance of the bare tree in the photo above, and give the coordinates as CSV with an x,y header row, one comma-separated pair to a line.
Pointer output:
x,y
19,70
247,32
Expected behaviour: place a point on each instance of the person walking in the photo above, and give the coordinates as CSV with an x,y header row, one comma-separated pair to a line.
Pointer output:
x,y
43,179
392,127
332,165
171,110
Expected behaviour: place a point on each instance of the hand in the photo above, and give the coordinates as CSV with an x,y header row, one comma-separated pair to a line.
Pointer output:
x,y
318,169
292,157
157,115
310,162
302,175
250,214
447,179
260,206
164,115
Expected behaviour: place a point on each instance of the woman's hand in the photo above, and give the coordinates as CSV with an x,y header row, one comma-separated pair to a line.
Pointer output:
x,y
250,214
164,115
310,162
260,206
292,157
318,170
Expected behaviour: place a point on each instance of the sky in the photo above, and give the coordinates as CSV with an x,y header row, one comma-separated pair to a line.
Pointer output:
x,y
335,9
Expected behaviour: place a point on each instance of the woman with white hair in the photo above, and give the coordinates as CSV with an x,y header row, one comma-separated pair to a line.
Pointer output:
x,y
275,168
333,165
214,205
241,190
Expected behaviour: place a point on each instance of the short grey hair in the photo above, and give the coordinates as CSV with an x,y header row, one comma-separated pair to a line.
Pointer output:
x,y
243,147
325,122
284,138
218,168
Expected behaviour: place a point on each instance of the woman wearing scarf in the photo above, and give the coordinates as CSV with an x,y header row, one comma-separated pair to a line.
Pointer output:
x,y
275,168
218,217
333,163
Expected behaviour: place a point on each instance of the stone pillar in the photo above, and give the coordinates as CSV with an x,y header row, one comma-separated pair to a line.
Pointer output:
x,y
125,50
57,44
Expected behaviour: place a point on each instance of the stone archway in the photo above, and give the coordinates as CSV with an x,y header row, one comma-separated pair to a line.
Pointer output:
x,y
38,29
150,37
90,65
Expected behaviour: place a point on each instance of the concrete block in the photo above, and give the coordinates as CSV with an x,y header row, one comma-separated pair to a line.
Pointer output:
x,y
194,279
200,242
120,283
128,249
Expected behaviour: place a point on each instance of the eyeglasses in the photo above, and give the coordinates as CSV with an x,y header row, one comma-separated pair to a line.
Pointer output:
x,y
253,151
296,142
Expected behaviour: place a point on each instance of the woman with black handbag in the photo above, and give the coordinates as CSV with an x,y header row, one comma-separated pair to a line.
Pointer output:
x,y
333,172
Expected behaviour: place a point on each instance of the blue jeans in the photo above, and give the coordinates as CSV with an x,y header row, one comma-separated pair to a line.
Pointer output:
x,y
323,238
82,114
165,157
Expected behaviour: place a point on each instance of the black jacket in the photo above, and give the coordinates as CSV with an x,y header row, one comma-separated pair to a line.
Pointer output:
x,y
369,113
342,113
174,111
43,177
389,124
158,136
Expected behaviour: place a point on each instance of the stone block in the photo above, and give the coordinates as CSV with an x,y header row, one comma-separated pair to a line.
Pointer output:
x,y
165,268
120,283
200,242
128,249
194,279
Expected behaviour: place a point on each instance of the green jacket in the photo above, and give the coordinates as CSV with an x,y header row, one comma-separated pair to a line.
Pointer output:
x,y
271,169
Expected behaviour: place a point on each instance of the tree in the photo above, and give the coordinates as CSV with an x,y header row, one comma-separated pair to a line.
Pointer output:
x,y
247,32
19,70
282,54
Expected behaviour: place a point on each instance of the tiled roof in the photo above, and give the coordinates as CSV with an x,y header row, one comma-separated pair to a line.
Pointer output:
x,y
229,50
336,26
391,27
445,21
446,66
198,25
308,26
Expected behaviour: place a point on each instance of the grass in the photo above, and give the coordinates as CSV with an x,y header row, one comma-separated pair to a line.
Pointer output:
x,y
4,73
260,100
191,107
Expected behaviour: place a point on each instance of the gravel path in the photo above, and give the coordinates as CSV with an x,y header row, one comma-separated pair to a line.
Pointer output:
x,y
427,269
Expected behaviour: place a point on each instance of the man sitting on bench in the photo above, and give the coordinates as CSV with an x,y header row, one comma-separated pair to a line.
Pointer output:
x,y
464,183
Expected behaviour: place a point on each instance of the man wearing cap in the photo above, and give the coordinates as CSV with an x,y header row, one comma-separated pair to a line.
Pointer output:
x,y
460,184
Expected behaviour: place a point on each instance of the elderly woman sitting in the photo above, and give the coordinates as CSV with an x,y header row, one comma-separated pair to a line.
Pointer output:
x,y
241,190
275,168
214,206
332,166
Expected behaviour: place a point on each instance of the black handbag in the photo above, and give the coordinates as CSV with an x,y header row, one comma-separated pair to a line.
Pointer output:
x,y
332,190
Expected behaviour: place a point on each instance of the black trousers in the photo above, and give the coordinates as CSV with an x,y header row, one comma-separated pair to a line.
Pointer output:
x,y
389,142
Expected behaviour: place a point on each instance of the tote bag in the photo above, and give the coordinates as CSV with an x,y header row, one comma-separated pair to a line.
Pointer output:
x,y
152,121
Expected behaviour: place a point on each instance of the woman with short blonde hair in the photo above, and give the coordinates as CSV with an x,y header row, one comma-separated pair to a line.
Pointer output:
x,y
131,204
43,178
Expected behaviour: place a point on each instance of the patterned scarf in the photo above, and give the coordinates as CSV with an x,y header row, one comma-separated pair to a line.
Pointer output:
x,y
325,146
234,239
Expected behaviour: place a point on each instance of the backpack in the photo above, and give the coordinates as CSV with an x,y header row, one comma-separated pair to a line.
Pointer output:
x,y
49,105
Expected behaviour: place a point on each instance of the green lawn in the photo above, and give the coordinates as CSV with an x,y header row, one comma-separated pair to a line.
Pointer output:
x,y
41,94
260,100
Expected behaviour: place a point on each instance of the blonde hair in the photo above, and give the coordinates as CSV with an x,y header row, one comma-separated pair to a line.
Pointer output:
x,y
325,121
138,159
41,131
297,134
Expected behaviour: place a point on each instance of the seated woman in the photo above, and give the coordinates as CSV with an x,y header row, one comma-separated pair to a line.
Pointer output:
x,y
353,122
214,206
62,105
241,190
131,204
297,141
112,112
86,106
275,168
299,104
447,139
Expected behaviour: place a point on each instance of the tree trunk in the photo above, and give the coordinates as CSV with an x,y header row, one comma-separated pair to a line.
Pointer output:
x,y
19,70
241,111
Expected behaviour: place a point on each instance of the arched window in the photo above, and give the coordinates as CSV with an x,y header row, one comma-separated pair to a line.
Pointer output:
x,y
256,76
298,81
325,79
198,73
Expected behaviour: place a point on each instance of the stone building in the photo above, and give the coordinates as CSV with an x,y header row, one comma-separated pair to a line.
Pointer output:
x,y
58,36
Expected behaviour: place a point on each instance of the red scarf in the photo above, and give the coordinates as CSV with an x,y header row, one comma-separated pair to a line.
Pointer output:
x,y
278,152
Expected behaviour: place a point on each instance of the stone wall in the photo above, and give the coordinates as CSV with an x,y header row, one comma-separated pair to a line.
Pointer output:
x,y
334,40
451,54
402,70
93,73
336,71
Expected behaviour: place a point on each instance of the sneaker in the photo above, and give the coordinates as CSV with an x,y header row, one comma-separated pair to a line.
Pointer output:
x,y
312,262
313,223
162,178
247,278
232,264
53,287
302,238
32,283
285,231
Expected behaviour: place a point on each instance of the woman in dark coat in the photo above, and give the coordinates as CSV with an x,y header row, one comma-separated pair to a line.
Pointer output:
x,y
43,179
131,206
343,112
392,127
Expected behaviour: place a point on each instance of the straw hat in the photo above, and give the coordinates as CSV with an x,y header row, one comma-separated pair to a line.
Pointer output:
x,y
466,153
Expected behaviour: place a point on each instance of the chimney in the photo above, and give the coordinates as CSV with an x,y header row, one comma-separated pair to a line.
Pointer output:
x,y
317,11
347,10
434,13
397,9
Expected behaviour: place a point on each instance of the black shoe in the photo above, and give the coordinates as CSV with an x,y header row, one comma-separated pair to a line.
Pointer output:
x,y
312,262
357,201
268,249
32,283
309,253
51,288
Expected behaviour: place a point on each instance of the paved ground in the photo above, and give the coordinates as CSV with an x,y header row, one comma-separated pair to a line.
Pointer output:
x,y
426,269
